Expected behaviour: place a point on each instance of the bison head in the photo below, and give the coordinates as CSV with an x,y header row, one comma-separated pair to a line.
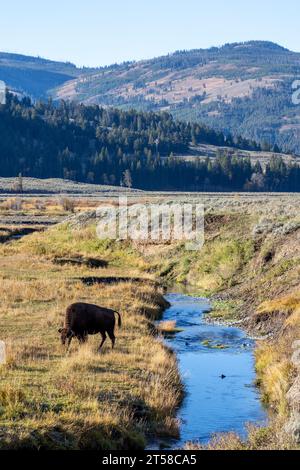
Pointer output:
x,y
65,333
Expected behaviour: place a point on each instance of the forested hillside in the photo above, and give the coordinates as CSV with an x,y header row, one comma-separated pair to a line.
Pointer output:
x,y
134,149
244,89
240,89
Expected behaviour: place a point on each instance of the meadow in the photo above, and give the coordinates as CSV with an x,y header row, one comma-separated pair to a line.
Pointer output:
x,y
249,267
84,399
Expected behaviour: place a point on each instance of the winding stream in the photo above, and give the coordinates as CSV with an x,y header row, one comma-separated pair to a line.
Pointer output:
x,y
217,367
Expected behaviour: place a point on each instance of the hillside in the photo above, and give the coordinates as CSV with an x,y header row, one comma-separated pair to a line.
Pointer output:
x,y
239,88
132,149
34,76
202,151
242,88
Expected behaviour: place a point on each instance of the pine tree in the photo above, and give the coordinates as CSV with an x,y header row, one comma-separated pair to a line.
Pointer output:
x,y
127,179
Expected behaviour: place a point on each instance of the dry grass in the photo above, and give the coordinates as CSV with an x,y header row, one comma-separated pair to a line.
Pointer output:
x,y
287,305
112,400
168,327
275,374
258,438
85,399
273,358
61,241
50,205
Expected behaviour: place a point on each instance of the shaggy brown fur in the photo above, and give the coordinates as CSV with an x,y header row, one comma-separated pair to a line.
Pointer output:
x,y
86,319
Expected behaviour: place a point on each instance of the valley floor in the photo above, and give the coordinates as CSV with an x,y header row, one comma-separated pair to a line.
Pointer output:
x,y
249,265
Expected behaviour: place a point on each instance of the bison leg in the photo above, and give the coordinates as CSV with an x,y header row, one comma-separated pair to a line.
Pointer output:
x,y
82,338
103,339
112,337
69,342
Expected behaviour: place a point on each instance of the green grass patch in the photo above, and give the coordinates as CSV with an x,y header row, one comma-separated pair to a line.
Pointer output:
x,y
226,310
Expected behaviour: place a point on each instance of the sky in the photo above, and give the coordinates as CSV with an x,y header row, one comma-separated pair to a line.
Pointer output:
x,y
102,32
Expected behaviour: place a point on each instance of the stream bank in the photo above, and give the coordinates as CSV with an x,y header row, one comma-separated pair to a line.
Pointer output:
x,y
216,363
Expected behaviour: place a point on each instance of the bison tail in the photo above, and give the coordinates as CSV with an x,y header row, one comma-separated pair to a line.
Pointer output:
x,y
119,319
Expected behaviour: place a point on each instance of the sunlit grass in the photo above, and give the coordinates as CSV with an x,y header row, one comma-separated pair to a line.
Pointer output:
x,y
258,438
168,327
84,399
287,304
112,400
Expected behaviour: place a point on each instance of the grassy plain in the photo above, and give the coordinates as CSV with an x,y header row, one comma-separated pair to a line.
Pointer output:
x,y
116,400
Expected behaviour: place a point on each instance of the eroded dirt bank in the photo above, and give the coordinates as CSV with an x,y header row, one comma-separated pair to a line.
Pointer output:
x,y
249,266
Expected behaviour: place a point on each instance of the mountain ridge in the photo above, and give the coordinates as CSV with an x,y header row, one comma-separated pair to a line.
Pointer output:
x,y
242,88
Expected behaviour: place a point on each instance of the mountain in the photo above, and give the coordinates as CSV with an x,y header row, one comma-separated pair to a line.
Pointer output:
x,y
242,88
34,76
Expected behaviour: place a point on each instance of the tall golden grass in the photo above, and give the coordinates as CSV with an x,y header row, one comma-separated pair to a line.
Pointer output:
x,y
84,399
273,359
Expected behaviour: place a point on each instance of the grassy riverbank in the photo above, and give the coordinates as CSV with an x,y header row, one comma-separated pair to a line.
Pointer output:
x,y
83,400
249,265
251,269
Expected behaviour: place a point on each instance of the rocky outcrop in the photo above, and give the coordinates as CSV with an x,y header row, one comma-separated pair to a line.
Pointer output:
x,y
293,396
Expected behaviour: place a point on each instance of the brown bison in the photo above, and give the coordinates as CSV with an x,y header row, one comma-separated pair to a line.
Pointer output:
x,y
86,319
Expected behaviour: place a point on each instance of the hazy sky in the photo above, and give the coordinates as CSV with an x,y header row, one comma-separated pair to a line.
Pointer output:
x,y
98,32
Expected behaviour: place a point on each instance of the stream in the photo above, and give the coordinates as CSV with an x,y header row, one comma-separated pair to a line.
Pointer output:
x,y
217,368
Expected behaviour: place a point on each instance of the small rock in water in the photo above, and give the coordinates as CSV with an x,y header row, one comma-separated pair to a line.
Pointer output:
x,y
219,346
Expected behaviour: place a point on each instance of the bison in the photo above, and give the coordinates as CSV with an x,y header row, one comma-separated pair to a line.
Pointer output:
x,y
84,319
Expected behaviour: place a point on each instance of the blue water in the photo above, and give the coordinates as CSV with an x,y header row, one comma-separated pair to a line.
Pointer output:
x,y
212,404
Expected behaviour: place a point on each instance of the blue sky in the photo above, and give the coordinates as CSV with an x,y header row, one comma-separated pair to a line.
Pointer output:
x,y
99,32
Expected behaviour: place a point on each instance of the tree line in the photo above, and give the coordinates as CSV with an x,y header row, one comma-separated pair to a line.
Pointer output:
x,y
130,148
